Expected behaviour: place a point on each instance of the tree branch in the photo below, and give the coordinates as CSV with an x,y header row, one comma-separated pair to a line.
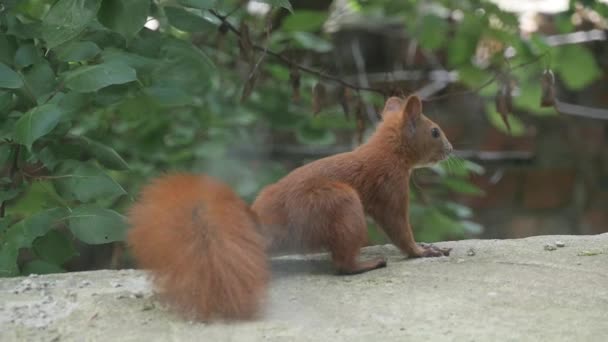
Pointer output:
x,y
286,61
360,87
490,80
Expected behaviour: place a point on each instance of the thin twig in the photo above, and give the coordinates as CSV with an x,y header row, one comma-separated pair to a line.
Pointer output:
x,y
489,81
264,52
290,63
326,76
464,92
532,61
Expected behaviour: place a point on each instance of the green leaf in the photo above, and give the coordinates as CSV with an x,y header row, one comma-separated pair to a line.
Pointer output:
x,y
200,4
106,156
9,78
67,19
307,134
71,102
601,8
474,77
9,194
48,158
7,49
457,167
85,182
375,235
462,46
432,33
95,225
54,247
110,96
436,225
211,150
168,96
331,121
33,9
462,186
135,61
92,78
21,30
26,55
458,210
124,17
77,51
185,58
529,97
473,167
37,196
576,66
40,79
308,21
41,267
36,123
537,44
312,42
278,3
4,222
8,261
517,127
6,103
5,154
187,21
22,234
563,23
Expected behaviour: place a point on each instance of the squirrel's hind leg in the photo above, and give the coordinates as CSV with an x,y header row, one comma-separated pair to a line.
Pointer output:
x,y
348,237
341,226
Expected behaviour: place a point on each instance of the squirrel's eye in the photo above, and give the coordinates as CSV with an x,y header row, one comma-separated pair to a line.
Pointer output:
x,y
435,132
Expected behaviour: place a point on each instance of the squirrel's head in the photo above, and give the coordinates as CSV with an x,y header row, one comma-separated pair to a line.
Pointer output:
x,y
419,139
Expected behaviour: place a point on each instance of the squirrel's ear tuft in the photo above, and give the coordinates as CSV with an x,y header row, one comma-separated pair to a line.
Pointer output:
x,y
393,104
412,111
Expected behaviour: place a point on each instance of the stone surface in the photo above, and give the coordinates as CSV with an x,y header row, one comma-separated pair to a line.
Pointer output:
x,y
509,290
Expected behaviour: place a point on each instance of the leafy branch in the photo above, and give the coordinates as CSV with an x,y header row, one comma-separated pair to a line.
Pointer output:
x,y
244,39
491,80
287,62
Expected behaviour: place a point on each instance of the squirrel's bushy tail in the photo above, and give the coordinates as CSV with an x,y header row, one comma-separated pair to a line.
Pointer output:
x,y
200,242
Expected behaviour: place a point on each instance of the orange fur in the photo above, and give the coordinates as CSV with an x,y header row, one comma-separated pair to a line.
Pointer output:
x,y
323,204
207,253
201,243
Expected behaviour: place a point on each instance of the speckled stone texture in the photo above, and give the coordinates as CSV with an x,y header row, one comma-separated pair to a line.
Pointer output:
x,y
487,290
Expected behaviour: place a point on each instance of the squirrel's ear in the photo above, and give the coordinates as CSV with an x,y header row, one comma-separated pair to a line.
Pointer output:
x,y
393,104
412,111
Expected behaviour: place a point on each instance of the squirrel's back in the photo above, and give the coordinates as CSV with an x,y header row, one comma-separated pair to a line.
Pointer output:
x,y
201,243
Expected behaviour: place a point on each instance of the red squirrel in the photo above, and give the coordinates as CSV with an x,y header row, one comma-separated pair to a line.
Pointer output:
x,y
207,250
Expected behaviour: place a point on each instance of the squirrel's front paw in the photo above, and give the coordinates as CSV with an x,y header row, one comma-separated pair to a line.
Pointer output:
x,y
428,251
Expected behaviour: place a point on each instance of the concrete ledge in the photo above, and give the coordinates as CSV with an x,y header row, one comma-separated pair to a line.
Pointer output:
x,y
487,290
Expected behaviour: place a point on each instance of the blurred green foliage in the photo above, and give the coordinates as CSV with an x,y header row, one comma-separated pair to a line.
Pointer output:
x,y
92,105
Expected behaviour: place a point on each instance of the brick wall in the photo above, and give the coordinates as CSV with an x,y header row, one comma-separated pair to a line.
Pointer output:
x,y
561,189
